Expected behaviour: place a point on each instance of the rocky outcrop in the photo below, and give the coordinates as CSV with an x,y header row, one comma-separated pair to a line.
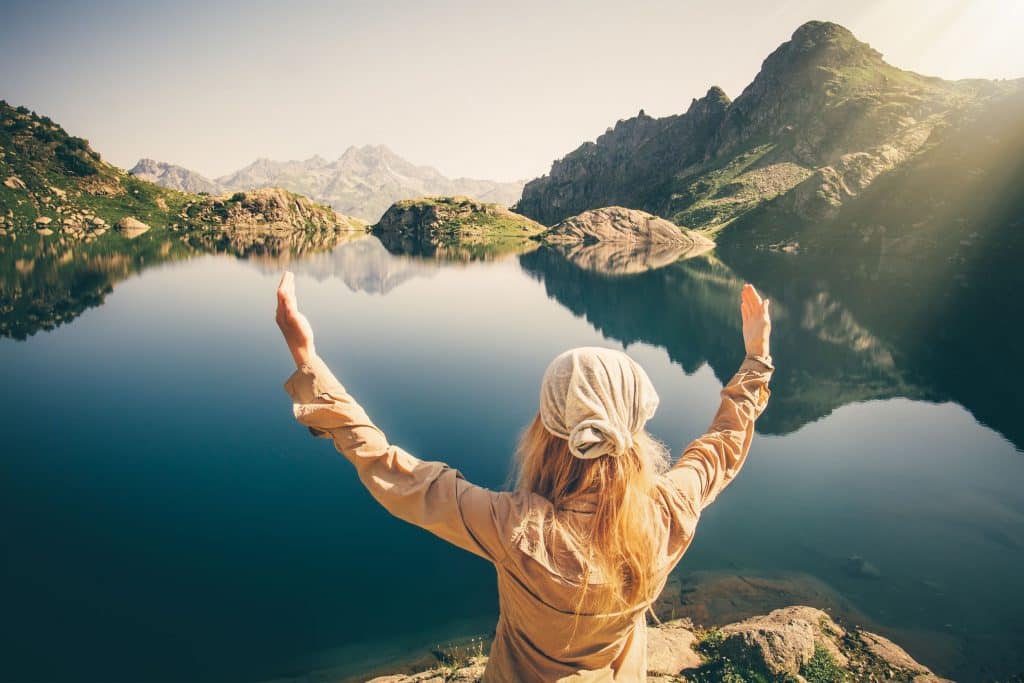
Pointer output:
x,y
796,643
422,226
617,241
269,207
625,226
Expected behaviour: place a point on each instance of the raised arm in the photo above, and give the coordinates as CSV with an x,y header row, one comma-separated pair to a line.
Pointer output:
x,y
711,461
429,494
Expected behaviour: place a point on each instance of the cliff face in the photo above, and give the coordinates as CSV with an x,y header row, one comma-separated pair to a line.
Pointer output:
x,y
825,113
628,165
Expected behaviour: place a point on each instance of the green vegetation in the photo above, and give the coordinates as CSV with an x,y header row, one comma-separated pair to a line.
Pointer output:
x,y
712,199
45,172
823,668
720,668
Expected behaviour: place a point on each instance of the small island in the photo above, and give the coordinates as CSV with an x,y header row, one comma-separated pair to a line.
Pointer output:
x,y
456,227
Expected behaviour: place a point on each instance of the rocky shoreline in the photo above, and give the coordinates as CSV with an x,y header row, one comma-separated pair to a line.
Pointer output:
x,y
796,643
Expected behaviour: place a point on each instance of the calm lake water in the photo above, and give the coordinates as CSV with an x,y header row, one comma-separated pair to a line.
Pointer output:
x,y
166,519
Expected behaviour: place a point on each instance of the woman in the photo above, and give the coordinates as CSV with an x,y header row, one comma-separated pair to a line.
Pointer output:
x,y
598,518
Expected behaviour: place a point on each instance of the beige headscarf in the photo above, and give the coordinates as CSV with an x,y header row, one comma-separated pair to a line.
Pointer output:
x,y
596,399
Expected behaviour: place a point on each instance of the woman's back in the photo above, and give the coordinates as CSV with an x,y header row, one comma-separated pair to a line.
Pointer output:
x,y
539,582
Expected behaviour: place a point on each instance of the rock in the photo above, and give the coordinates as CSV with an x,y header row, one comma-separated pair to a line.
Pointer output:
x,y
857,566
616,224
131,227
44,220
670,649
885,649
44,231
779,644
98,221
14,183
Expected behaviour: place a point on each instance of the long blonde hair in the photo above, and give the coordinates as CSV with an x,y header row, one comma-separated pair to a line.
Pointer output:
x,y
620,532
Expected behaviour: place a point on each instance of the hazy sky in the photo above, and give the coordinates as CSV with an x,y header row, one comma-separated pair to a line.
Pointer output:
x,y
494,90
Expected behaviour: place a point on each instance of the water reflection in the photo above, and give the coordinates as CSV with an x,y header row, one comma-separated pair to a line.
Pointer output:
x,y
46,282
623,258
825,358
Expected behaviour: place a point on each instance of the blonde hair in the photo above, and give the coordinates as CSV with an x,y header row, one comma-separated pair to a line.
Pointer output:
x,y
620,532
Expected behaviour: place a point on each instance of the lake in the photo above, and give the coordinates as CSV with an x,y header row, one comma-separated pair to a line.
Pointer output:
x,y
166,519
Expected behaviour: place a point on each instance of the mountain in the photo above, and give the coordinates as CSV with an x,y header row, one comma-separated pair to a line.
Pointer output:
x,y
363,182
824,119
176,177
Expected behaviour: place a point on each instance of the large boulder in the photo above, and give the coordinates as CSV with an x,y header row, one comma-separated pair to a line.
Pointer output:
x,y
780,642
615,224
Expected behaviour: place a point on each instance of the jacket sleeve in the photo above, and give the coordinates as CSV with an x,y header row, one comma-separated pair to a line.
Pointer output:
x,y
429,494
711,461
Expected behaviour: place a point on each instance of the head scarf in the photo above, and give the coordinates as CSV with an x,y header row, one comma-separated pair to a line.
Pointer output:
x,y
596,399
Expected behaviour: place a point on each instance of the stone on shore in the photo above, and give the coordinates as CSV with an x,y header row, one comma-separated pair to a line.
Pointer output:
x,y
131,227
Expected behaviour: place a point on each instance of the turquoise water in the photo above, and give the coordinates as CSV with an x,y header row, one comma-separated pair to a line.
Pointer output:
x,y
166,519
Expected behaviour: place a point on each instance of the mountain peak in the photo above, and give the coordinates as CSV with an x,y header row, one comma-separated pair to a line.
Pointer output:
x,y
822,30
827,44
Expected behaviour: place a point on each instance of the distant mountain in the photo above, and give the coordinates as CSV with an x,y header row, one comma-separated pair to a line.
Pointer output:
x,y
825,118
363,182
175,177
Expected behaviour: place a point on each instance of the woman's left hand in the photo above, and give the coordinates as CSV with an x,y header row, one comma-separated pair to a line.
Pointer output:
x,y
298,333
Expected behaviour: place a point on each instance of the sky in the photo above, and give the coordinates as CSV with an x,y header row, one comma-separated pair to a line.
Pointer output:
x,y
477,89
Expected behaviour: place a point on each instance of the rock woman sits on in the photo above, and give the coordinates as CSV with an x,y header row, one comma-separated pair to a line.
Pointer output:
x,y
599,515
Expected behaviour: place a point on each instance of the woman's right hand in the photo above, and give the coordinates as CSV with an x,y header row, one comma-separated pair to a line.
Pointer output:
x,y
298,334
757,324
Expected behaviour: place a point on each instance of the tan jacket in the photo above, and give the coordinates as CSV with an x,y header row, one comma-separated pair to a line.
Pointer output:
x,y
537,564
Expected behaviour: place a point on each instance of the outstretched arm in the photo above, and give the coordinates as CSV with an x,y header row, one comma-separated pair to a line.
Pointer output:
x,y
428,494
710,462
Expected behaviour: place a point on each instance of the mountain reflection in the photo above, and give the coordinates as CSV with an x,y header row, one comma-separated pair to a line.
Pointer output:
x,y
824,358
363,264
